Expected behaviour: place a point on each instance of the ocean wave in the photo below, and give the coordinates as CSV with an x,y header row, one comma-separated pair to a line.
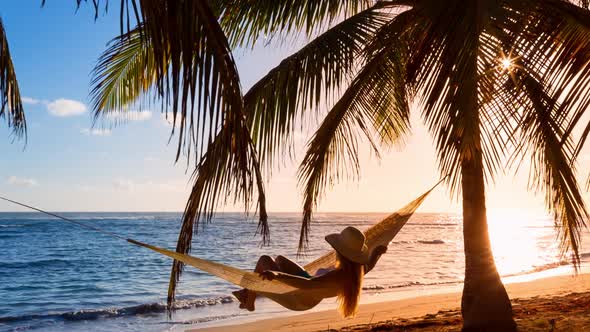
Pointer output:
x,y
42,217
8,236
552,265
141,309
420,241
11,226
146,217
38,263
208,319
409,284
442,224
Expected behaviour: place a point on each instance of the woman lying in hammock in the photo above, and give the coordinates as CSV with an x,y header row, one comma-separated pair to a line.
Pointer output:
x,y
344,281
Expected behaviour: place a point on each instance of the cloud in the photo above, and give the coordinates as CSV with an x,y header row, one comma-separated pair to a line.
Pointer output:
x,y
66,107
87,188
128,185
30,101
124,185
129,116
150,159
22,182
96,132
172,186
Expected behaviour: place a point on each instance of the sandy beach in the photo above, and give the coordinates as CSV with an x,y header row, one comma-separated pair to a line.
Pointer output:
x,y
534,296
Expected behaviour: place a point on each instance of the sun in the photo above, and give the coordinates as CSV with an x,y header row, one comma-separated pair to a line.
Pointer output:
x,y
507,64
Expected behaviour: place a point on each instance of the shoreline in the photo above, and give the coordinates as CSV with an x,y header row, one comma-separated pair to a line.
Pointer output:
x,y
374,312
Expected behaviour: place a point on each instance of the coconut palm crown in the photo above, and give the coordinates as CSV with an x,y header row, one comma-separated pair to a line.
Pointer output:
x,y
496,81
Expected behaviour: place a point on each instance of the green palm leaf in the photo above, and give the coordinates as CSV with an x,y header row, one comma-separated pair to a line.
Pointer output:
x,y
124,75
222,175
181,58
159,60
11,104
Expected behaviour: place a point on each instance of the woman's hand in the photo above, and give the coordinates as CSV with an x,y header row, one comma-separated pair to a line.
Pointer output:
x,y
380,250
268,275
375,255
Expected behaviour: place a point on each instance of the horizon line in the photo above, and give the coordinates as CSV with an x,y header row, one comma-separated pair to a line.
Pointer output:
x,y
221,212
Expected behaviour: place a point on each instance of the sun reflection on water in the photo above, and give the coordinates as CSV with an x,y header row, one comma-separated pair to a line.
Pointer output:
x,y
515,235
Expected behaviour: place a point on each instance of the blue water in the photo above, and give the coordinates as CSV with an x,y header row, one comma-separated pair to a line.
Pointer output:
x,y
56,276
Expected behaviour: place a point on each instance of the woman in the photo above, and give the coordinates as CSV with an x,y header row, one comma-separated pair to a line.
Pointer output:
x,y
345,280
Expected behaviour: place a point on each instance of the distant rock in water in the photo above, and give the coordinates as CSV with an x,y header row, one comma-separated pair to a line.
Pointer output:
x,y
432,242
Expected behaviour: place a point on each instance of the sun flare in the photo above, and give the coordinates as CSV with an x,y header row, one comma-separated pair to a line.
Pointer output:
x,y
507,64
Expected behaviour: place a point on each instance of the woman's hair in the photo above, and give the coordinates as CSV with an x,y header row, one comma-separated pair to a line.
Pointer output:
x,y
350,292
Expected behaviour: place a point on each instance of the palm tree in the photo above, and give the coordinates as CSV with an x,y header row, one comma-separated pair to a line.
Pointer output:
x,y
497,82
12,105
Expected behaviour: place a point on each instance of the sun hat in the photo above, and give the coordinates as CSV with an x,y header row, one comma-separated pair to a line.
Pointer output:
x,y
350,243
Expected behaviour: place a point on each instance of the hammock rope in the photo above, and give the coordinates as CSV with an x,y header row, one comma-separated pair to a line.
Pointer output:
x,y
93,228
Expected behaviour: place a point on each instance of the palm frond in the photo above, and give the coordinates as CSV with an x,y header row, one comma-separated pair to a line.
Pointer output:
x,y
376,103
247,21
582,3
303,80
562,46
194,74
547,88
222,174
549,80
554,45
444,66
124,75
97,5
187,63
542,129
12,106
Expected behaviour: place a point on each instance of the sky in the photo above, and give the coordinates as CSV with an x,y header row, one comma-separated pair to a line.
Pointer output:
x,y
67,164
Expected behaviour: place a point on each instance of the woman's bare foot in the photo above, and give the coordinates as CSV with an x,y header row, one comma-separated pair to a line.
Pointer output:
x,y
246,299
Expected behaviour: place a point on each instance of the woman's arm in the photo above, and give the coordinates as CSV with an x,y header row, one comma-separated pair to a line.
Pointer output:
x,y
375,255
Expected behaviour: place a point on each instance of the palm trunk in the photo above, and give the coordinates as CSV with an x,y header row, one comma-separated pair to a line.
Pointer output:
x,y
485,305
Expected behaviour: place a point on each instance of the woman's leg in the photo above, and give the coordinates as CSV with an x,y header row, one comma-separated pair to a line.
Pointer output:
x,y
266,263
288,266
248,297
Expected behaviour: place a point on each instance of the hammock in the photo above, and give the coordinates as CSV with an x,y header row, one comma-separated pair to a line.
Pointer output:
x,y
286,295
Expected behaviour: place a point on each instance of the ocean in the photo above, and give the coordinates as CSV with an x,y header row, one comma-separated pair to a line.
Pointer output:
x,y
55,276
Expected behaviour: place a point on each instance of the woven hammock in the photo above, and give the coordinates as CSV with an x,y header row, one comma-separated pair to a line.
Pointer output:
x,y
380,234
